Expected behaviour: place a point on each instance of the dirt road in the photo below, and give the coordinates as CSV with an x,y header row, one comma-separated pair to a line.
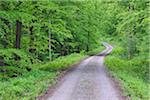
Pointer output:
x,y
88,81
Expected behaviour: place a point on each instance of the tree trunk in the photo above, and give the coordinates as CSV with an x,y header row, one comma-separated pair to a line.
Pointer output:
x,y
18,34
31,36
87,47
31,49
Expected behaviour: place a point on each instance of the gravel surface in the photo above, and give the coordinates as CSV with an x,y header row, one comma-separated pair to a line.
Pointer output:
x,y
88,81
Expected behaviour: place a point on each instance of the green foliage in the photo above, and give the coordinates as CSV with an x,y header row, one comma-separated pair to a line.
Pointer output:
x,y
129,60
95,51
28,86
35,82
14,62
70,26
61,63
117,51
115,63
134,87
62,20
132,73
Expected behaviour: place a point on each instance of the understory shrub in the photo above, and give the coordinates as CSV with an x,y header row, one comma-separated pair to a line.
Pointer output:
x,y
14,62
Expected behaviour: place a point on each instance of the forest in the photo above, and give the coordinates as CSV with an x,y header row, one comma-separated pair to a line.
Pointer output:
x,y
41,39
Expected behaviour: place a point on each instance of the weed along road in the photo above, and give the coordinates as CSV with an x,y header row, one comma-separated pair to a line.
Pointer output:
x,y
88,81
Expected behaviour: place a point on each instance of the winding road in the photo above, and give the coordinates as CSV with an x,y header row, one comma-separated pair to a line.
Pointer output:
x,y
88,81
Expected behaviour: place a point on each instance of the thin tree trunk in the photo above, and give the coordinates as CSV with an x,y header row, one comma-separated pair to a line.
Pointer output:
x,y
31,36
87,48
18,34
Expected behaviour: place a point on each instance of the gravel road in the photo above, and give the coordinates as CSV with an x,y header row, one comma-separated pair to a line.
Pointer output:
x,y
88,81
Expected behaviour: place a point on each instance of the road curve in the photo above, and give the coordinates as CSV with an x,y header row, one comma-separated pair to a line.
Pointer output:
x,y
88,81
108,49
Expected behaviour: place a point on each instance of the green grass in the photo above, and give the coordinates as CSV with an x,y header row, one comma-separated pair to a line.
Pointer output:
x,y
34,83
31,84
96,51
61,63
134,87
132,73
28,86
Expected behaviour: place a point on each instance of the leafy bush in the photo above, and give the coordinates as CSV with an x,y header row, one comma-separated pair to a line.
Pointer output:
x,y
115,63
14,62
136,66
118,50
140,66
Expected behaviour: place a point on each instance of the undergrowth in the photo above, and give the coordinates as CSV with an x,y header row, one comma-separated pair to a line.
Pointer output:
x,y
61,63
28,86
14,62
95,51
132,73
31,84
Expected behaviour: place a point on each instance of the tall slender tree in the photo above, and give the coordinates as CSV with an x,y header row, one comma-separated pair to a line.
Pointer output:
x,y
18,34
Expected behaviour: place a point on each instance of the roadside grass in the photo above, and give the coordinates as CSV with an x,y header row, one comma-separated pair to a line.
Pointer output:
x,y
61,63
28,86
31,84
134,87
34,83
132,73
95,51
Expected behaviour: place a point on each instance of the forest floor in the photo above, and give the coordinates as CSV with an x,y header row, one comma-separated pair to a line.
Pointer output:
x,y
89,80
